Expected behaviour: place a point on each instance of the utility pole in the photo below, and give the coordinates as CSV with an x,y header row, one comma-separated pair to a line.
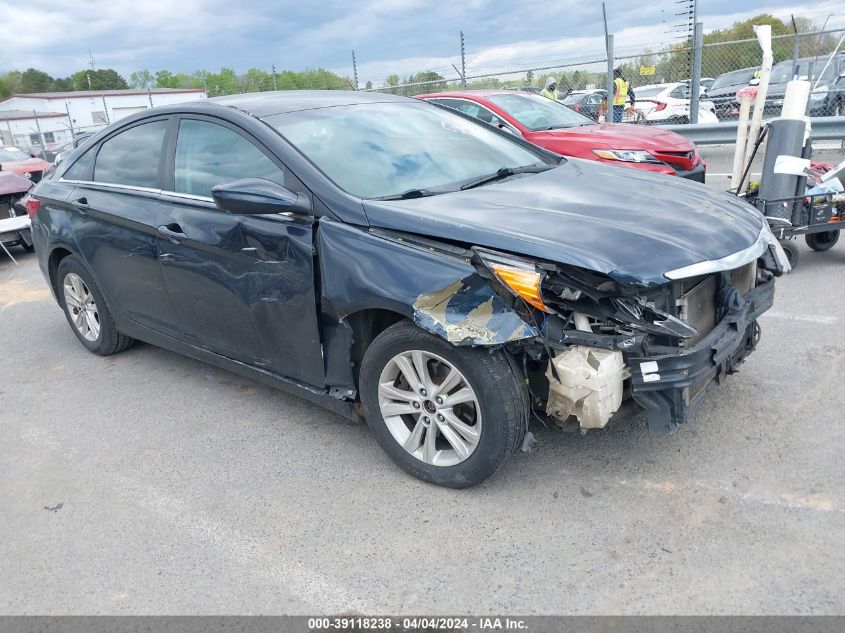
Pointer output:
x,y
695,80
106,110
91,64
40,133
9,127
463,63
275,83
69,118
355,70
608,41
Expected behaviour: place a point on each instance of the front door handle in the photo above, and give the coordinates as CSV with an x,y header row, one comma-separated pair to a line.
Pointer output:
x,y
173,232
81,205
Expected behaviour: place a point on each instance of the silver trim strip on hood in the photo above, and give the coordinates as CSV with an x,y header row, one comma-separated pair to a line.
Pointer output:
x,y
729,262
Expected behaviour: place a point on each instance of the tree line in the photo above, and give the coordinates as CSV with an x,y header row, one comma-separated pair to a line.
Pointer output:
x,y
224,82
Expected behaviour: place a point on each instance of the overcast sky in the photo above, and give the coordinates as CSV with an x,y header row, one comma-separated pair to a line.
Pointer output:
x,y
388,36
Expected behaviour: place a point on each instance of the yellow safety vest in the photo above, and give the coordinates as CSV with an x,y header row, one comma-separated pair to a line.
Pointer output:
x,y
549,95
621,92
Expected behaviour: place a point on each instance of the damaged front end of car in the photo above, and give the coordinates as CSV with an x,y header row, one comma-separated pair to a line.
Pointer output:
x,y
600,340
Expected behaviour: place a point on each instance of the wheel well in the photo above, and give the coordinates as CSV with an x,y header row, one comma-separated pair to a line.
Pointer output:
x,y
56,257
366,326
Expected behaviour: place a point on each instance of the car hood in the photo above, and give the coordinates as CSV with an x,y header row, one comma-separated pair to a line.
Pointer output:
x,y
11,183
616,136
628,224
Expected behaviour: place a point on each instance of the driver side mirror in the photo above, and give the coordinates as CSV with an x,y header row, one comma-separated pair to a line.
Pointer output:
x,y
257,196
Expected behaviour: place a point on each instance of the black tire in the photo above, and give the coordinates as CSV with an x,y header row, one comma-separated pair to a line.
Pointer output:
x,y
822,241
501,396
792,252
25,238
109,340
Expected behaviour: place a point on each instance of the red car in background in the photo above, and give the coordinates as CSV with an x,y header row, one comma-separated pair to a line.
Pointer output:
x,y
560,129
19,162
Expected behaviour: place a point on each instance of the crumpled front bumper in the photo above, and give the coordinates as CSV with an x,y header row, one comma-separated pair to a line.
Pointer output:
x,y
670,382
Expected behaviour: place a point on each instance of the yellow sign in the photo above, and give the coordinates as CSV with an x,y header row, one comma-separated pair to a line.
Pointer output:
x,y
647,70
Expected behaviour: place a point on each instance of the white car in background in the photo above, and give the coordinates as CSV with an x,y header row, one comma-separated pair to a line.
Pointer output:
x,y
670,103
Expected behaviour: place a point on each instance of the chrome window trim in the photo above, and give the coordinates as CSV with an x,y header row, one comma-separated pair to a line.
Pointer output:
x,y
729,262
187,196
111,185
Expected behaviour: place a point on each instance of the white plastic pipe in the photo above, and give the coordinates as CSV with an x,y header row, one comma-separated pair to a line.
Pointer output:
x,y
795,100
746,98
764,37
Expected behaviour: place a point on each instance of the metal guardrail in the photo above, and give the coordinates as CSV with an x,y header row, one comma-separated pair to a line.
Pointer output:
x,y
829,128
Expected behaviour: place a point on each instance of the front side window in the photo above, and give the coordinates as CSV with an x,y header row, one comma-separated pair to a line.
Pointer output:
x,y
376,150
208,154
132,157
472,109
539,113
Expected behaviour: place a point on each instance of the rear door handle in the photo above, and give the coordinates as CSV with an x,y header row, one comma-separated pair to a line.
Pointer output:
x,y
173,232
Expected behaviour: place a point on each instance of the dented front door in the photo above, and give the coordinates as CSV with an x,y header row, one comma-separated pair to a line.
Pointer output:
x,y
243,285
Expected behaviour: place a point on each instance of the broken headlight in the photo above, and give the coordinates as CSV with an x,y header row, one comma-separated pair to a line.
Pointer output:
x,y
519,276
643,315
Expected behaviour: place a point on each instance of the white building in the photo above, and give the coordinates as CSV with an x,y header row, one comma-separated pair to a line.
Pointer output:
x,y
59,115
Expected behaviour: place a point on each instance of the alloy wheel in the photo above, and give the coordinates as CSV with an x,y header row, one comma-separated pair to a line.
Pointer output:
x,y
430,408
81,307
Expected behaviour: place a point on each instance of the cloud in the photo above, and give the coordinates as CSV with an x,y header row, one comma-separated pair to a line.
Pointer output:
x,y
388,36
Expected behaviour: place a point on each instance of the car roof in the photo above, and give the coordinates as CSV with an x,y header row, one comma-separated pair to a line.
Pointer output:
x,y
261,104
469,94
667,85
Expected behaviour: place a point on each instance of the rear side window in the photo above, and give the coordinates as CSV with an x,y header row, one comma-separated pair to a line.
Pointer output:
x,y
81,169
208,154
132,157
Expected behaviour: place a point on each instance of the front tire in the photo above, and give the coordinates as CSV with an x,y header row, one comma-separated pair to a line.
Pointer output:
x,y
792,252
86,309
445,414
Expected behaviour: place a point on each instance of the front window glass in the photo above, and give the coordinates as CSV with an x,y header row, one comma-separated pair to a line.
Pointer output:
x,y
735,78
132,157
808,70
208,154
9,154
539,113
375,150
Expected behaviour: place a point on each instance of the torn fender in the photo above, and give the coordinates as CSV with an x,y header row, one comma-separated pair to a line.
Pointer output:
x,y
440,291
468,312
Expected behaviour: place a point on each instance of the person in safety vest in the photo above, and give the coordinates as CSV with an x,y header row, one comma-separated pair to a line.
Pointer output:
x,y
550,91
621,90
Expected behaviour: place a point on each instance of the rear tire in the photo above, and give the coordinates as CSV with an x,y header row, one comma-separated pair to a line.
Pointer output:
x,y
822,241
463,451
86,310
792,252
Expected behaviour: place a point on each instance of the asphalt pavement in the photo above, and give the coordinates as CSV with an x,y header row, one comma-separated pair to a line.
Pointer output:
x,y
148,483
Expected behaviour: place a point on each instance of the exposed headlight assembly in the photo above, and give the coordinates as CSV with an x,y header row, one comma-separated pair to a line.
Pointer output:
x,y
626,156
519,276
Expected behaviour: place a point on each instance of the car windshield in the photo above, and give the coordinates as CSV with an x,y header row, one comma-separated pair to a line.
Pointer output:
x,y
574,98
808,69
649,91
539,113
12,154
377,150
735,78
